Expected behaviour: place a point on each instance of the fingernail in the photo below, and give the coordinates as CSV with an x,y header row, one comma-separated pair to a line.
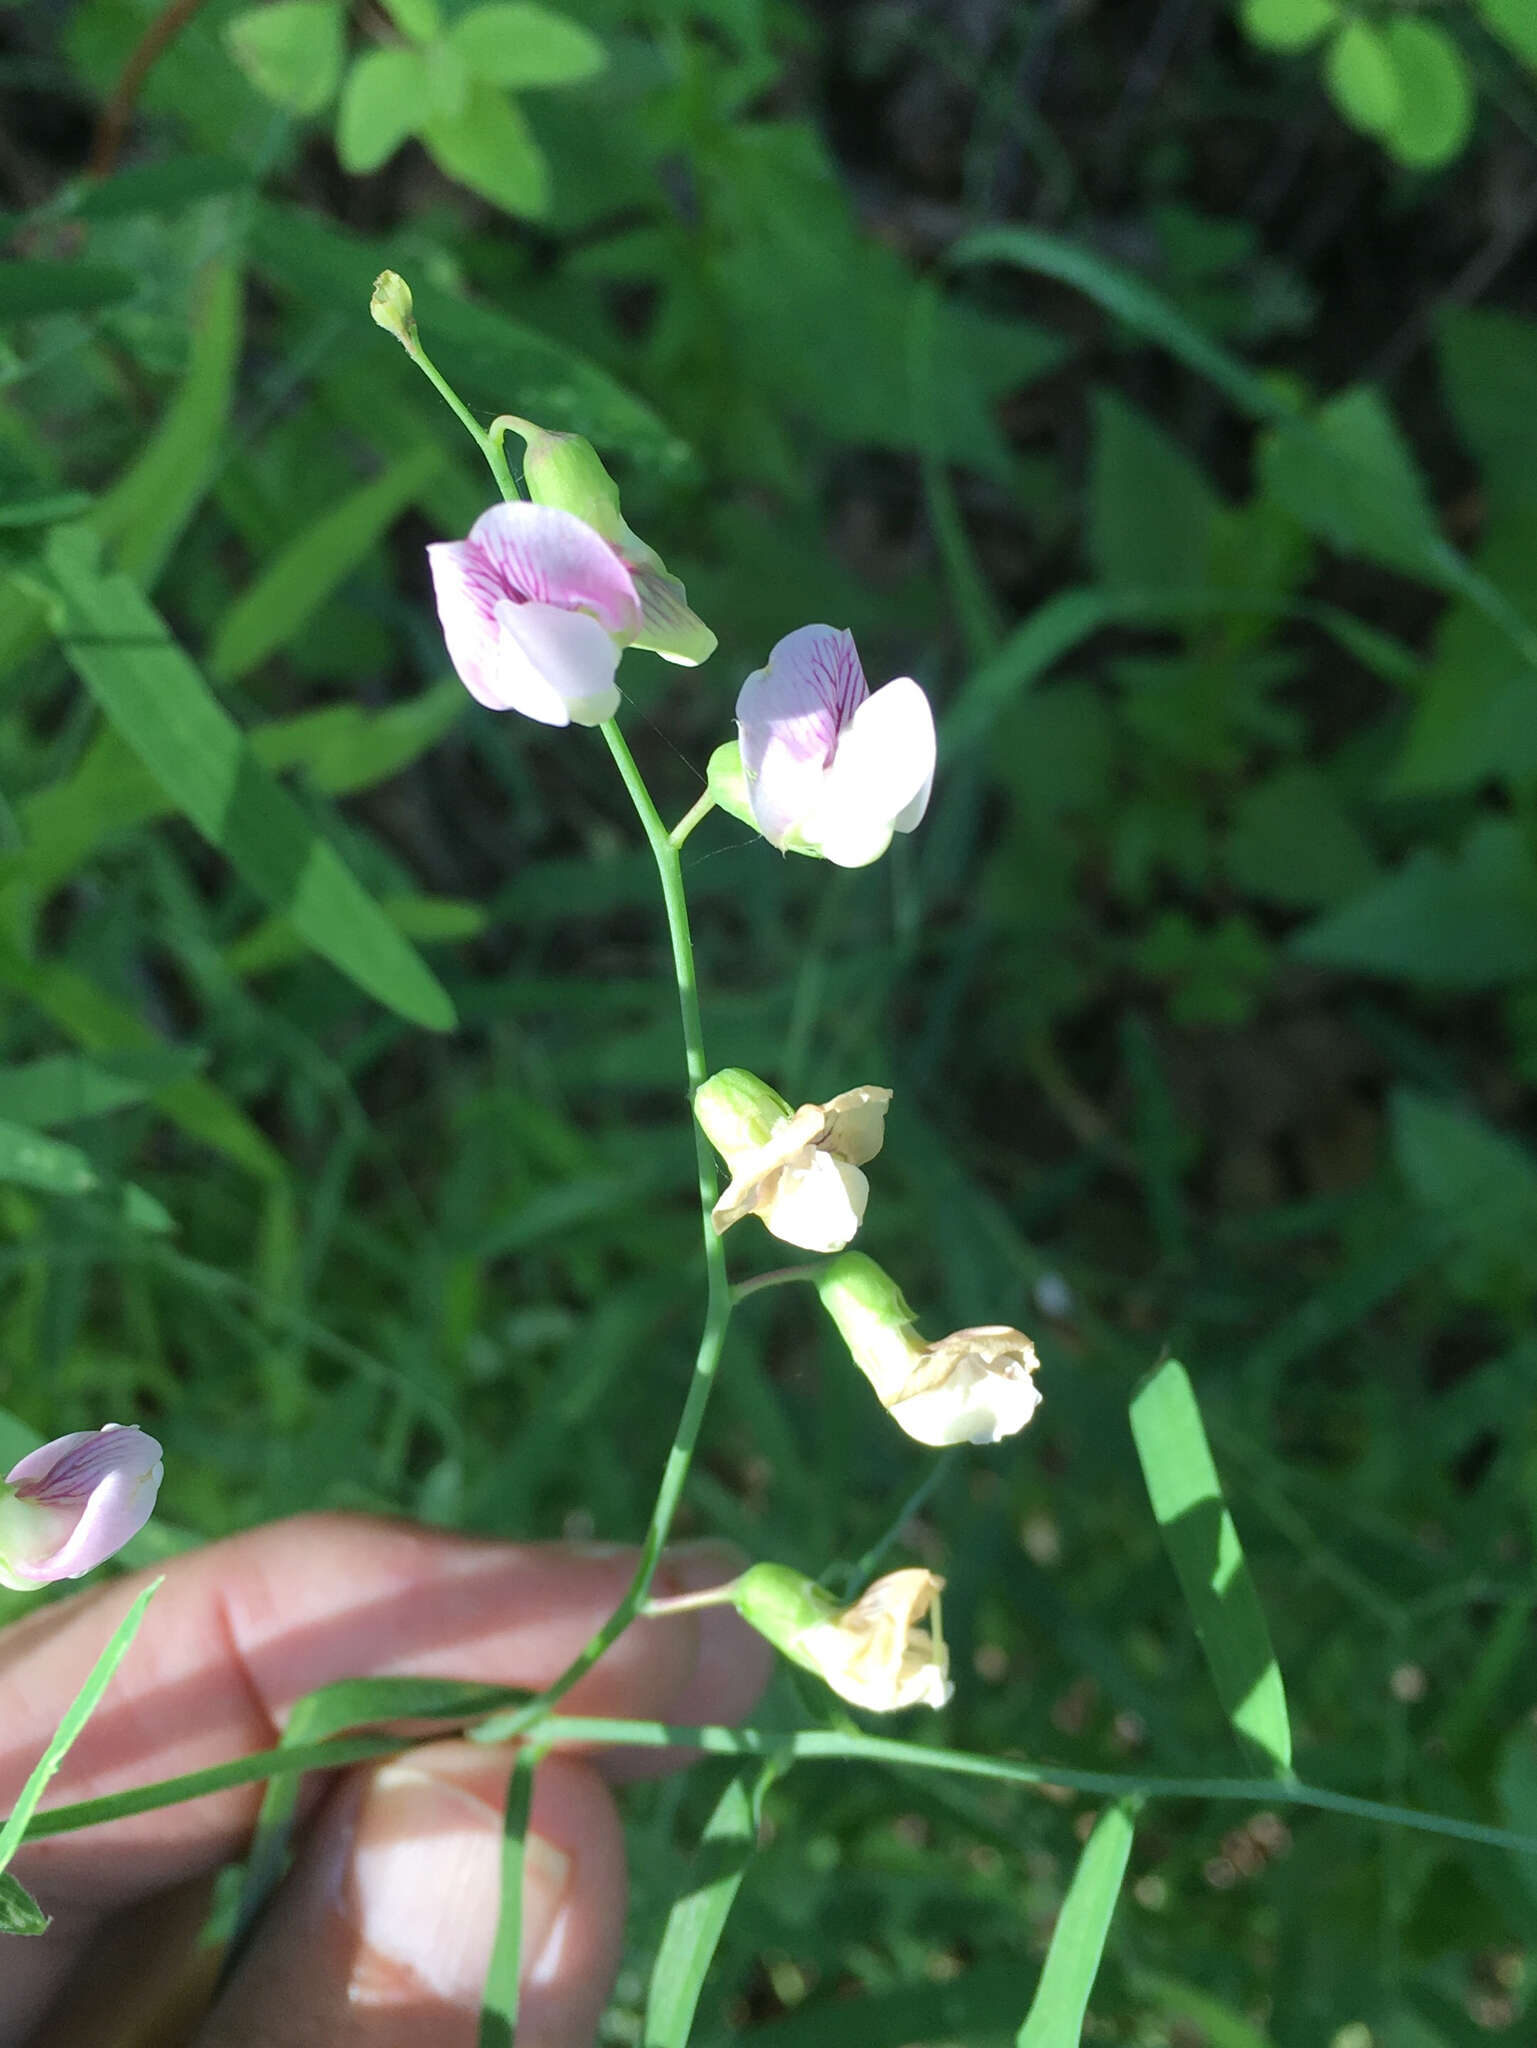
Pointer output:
x,y
425,1883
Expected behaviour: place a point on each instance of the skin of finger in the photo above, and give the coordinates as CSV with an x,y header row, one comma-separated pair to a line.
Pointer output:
x,y
236,1634
311,1981
242,1629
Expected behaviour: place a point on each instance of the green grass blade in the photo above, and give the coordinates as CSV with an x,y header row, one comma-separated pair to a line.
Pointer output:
x,y
19,1911
159,702
76,1715
1055,2018
698,1915
144,514
30,1160
297,580
499,2003
1214,1575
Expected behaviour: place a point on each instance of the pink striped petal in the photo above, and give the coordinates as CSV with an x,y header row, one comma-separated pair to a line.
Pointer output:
x,y
791,713
555,666
467,594
75,1501
541,555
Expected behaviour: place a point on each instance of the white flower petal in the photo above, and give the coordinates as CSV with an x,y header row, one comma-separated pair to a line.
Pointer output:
x,y
818,1206
552,665
885,763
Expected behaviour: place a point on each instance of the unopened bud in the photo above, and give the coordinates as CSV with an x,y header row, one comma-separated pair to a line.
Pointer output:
x,y
737,1112
390,307
70,1504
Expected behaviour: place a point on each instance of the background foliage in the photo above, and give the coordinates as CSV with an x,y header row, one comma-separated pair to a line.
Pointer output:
x,y
1157,382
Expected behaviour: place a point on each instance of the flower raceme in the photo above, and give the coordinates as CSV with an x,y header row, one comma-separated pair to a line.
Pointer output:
x,y
536,609
796,1169
976,1386
830,768
876,1653
68,1505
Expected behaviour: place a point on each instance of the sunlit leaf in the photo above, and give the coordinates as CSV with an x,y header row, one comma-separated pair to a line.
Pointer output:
x,y
383,101
1208,1559
698,1915
1061,1998
1288,24
518,44
1436,104
1363,77
490,148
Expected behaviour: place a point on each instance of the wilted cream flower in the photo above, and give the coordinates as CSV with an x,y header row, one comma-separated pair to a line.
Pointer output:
x,y
798,1170
976,1386
877,1653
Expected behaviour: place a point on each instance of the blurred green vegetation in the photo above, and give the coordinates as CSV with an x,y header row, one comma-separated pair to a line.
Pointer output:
x,y
1091,365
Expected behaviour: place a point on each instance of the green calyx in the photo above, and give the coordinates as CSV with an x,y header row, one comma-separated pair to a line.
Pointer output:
x,y
737,1112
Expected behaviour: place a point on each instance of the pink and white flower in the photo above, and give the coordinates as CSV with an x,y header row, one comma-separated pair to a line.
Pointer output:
x,y
70,1504
536,609
831,768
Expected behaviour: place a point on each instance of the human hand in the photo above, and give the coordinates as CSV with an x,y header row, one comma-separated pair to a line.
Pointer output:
x,y
382,1931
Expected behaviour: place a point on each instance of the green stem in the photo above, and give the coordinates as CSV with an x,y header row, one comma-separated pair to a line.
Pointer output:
x,y
490,446
690,819
717,1288
781,1276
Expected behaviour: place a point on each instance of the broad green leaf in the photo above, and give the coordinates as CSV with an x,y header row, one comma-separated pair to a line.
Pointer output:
x,y
291,50
1363,78
30,290
1515,23
1435,94
28,1159
274,608
1483,1188
1288,24
448,83
103,1025
517,44
76,1715
491,149
62,1088
49,511
477,348
1062,623
1137,467
418,19
19,1911
429,920
154,695
1354,483
159,188
383,100
504,1974
1488,363
1056,2015
1208,1559
1463,920
141,518
1292,841
698,1915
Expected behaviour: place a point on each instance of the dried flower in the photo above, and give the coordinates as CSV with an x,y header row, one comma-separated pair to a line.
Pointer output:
x,y
70,1504
976,1386
536,608
798,1170
831,769
876,1653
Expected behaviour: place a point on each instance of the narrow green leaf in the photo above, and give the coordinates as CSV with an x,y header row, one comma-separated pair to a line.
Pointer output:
x,y
383,100
76,1715
291,50
45,511
29,290
274,609
517,44
19,1911
159,188
499,2001
150,689
143,515
428,920
1055,2018
32,1161
1172,1998
491,149
62,1088
1214,1575
697,1917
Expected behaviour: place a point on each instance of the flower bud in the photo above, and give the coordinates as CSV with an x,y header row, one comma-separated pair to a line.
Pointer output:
x,y
70,1504
800,1171
726,780
566,471
390,307
875,1653
976,1386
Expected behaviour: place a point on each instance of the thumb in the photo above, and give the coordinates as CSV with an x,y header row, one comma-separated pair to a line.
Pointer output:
x,y
383,1931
